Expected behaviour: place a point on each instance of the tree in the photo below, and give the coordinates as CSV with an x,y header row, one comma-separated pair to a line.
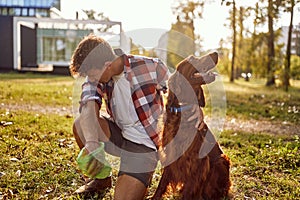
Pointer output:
x,y
256,40
233,37
286,78
181,37
272,14
92,14
271,48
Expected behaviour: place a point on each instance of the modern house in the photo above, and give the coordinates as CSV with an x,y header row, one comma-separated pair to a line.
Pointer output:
x,y
35,36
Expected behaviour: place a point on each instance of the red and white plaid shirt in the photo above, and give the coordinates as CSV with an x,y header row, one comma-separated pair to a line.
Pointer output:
x,y
147,78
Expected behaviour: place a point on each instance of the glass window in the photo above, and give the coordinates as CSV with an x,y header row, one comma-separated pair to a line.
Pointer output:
x,y
26,3
42,12
4,11
24,11
31,12
3,2
44,3
21,2
11,11
8,2
16,2
17,11
32,3
55,3
53,49
47,43
39,3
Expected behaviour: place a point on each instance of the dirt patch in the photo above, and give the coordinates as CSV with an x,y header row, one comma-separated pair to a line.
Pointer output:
x,y
262,126
59,110
250,125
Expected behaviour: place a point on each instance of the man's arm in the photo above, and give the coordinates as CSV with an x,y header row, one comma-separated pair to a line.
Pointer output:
x,y
94,128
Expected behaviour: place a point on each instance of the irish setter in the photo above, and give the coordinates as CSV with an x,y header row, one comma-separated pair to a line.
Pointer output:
x,y
195,166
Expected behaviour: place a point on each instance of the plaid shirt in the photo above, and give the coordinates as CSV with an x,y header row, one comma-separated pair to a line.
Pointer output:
x,y
147,78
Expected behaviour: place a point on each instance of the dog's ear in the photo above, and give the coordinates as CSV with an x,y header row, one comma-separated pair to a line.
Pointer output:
x,y
173,88
204,63
201,97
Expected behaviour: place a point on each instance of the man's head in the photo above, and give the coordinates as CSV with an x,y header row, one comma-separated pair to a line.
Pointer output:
x,y
91,53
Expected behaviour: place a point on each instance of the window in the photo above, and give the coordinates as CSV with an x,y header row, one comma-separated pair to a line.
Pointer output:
x,y
24,11
17,11
31,12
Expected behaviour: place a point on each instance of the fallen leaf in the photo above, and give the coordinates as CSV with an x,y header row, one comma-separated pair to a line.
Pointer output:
x,y
14,159
18,173
49,190
2,174
5,123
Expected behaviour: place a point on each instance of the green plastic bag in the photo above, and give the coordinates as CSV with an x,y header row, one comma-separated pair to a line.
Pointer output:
x,y
83,159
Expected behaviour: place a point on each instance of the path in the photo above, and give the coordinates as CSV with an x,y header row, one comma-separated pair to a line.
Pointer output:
x,y
250,125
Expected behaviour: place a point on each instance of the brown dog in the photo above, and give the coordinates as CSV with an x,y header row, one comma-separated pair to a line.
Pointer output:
x,y
195,167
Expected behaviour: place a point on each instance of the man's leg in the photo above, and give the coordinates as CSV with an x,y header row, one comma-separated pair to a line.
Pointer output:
x,y
138,163
96,185
129,188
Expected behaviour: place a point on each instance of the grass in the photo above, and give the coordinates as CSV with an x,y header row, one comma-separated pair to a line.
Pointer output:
x,y
38,150
254,100
263,166
34,89
38,155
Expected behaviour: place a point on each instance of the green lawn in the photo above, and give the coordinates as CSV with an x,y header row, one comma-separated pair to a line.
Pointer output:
x,y
38,151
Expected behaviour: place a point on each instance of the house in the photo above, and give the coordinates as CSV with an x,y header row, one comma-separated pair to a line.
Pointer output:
x,y
36,37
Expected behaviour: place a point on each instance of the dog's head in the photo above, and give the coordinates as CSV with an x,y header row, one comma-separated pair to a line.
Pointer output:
x,y
194,71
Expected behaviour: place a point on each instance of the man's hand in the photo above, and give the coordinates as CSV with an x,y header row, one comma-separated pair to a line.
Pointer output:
x,y
91,160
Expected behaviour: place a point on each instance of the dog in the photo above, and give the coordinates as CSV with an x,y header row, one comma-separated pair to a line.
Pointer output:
x,y
194,165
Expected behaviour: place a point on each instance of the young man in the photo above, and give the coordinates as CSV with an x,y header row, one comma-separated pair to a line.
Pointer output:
x,y
131,87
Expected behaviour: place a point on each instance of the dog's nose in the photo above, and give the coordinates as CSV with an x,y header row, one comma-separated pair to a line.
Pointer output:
x,y
214,57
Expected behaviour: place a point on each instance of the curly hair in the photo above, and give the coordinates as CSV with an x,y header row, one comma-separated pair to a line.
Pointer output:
x,y
91,52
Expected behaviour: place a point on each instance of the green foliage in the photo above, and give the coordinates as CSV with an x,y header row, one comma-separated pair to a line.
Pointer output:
x,y
263,166
37,155
34,89
257,51
295,67
254,100
181,38
180,43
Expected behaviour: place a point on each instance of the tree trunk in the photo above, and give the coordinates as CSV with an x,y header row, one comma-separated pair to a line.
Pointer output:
x,y
233,43
286,80
271,48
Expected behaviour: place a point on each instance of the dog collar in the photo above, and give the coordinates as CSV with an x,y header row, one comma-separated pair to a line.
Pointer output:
x,y
181,108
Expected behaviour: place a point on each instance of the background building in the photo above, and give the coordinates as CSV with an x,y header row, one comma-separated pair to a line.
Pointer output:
x,y
295,45
35,37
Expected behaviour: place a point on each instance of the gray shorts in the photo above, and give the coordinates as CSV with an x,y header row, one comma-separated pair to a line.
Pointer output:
x,y
137,160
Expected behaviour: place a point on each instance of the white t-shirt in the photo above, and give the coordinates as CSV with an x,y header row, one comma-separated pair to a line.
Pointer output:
x,y
125,115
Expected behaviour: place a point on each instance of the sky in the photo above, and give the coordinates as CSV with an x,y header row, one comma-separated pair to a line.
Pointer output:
x,y
157,14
